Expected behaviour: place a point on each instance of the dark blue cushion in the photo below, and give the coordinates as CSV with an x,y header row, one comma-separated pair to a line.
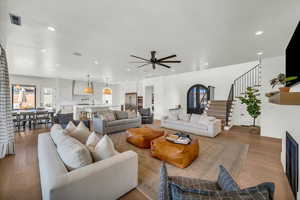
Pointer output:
x,y
263,191
225,180
163,193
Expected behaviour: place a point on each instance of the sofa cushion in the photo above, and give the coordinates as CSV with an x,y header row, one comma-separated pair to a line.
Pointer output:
x,y
57,134
131,114
194,183
145,111
225,180
122,122
73,153
121,115
179,192
164,193
109,116
184,116
70,127
81,133
104,149
93,139
195,118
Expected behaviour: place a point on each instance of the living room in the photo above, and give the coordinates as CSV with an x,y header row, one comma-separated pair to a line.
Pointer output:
x,y
117,106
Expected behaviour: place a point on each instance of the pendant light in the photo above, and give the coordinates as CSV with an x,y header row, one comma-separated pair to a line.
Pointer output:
x,y
107,90
88,89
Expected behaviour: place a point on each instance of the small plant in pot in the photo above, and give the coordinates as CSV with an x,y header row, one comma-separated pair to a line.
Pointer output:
x,y
281,79
252,103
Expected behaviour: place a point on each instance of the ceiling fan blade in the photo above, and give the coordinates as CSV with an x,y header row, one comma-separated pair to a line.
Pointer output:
x,y
165,58
171,61
153,65
138,61
142,65
140,58
164,65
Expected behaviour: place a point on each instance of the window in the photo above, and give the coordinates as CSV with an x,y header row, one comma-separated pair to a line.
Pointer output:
x,y
23,97
48,98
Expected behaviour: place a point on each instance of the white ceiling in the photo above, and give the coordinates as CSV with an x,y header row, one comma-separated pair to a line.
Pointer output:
x,y
220,32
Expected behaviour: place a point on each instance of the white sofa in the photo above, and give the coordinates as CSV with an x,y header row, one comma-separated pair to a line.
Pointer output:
x,y
204,126
106,179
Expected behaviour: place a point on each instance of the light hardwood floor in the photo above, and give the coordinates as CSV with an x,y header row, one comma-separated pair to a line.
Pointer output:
x,y
19,175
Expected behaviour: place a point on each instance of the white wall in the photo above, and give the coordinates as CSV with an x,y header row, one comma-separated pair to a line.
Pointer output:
x,y
276,119
170,91
63,88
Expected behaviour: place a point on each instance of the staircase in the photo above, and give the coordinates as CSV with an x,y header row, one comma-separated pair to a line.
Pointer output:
x,y
218,110
222,109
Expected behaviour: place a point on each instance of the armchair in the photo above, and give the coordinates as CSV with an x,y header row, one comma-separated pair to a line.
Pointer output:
x,y
146,115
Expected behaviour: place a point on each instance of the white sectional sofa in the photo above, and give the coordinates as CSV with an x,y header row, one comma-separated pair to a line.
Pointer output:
x,y
106,179
196,124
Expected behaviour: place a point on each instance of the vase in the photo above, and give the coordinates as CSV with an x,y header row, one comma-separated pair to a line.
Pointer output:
x,y
284,89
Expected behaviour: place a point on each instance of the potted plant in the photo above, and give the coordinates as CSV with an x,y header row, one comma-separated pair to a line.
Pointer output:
x,y
281,79
252,102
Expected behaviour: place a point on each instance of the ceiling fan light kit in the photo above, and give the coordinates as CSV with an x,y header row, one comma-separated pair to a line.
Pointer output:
x,y
154,61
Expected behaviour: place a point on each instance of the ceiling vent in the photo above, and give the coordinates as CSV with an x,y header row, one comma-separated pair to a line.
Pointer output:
x,y
14,19
77,54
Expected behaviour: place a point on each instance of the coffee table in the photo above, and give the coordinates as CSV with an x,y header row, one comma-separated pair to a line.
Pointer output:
x,y
142,137
180,155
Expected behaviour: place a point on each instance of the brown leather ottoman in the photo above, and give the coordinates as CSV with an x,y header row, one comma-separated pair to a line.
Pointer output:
x,y
142,137
179,155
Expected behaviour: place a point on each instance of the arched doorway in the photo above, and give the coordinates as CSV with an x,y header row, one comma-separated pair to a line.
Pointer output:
x,y
197,97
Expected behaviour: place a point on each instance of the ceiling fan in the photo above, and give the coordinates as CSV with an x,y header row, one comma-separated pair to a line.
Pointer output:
x,y
154,61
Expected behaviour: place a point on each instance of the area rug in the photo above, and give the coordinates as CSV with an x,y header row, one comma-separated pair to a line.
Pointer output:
x,y
212,153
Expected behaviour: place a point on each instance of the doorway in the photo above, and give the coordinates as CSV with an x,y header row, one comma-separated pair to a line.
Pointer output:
x,y
149,97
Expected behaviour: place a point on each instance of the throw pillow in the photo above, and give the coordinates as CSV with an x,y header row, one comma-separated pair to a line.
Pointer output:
x,y
73,153
179,192
131,114
195,118
121,115
164,193
81,133
104,149
57,134
173,114
109,116
93,139
184,116
225,180
70,127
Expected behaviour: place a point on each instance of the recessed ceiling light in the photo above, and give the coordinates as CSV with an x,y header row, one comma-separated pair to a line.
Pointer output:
x,y
43,50
96,62
128,69
260,53
50,28
173,70
259,32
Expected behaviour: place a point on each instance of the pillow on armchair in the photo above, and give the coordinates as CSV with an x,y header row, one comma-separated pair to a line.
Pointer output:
x,y
183,188
145,111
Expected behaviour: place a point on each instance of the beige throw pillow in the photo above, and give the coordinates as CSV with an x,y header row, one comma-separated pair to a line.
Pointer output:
x,y
57,134
109,116
70,127
104,149
195,118
73,153
93,139
81,133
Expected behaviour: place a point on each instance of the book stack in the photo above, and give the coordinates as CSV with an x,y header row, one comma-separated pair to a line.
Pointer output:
x,y
179,138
